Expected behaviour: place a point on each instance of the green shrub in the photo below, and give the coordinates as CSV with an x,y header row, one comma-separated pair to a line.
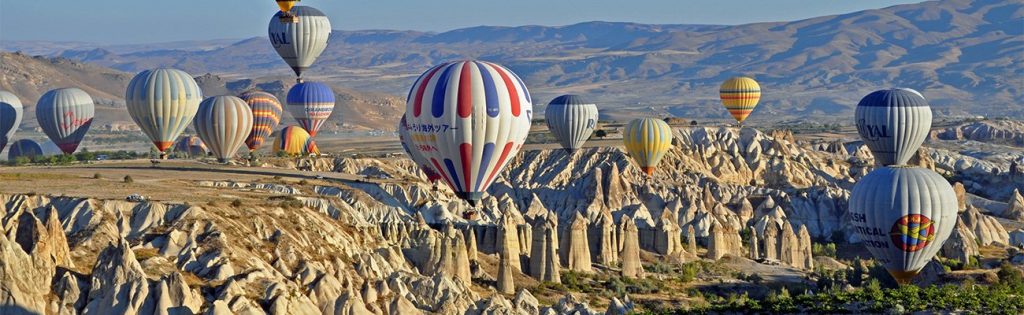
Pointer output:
x,y
236,203
97,176
128,179
688,272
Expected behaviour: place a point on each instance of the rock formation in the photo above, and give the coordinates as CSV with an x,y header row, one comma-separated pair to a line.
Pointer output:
x,y
667,235
629,251
119,284
508,237
961,197
806,258
723,240
789,246
753,247
544,251
961,244
1015,207
506,284
691,240
986,228
603,241
575,252
771,242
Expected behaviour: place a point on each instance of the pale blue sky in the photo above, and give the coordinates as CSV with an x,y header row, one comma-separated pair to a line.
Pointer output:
x,y
146,21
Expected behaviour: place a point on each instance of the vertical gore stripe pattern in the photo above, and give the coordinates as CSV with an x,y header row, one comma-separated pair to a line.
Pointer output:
x,y
223,122
24,147
647,140
571,120
467,119
893,124
414,154
739,96
293,140
299,44
65,115
163,102
311,103
266,115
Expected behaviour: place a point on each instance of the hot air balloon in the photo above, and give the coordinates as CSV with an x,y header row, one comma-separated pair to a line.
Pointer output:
x,y
293,140
408,144
10,117
647,140
469,119
24,148
740,96
571,120
266,115
223,122
65,115
300,42
163,102
191,146
311,103
286,7
903,214
893,123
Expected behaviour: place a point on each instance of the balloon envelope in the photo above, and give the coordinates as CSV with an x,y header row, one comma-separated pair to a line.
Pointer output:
x,y
571,119
407,144
294,140
65,115
191,146
647,140
893,123
311,103
740,96
300,42
11,112
903,215
163,102
223,122
266,115
24,148
468,119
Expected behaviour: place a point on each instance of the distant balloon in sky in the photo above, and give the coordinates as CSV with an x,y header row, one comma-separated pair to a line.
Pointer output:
x,y
266,113
408,144
893,124
647,140
903,214
311,103
469,119
286,7
65,115
740,96
223,122
300,42
293,140
191,146
163,102
24,148
10,117
571,119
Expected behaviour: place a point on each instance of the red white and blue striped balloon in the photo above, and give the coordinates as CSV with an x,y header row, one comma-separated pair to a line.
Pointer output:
x,y
311,103
469,119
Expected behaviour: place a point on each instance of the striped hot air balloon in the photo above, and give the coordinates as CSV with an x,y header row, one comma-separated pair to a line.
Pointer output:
x,y
571,119
739,96
10,117
469,119
311,103
24,148
65,115
903,214
163,102
191,146
647,140
893,124
299,40
408,144
266,115
223,122
293,140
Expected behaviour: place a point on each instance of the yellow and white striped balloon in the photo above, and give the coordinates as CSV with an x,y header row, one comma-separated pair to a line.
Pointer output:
x,y
647,140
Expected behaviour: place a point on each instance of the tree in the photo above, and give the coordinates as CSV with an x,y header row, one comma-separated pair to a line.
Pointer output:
x,y
600,133
693,123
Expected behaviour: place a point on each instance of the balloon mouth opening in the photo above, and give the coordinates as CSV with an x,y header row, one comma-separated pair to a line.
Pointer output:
x,y
648,170
473,198
904,277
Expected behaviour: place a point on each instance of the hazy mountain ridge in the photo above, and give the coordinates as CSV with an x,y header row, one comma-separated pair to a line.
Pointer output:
x,y
964,55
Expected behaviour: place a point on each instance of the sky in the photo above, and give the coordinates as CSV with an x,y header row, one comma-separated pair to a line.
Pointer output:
x,y
151,21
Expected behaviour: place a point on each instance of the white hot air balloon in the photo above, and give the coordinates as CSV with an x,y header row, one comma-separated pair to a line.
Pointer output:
x,y
469,119
903,214
163,102
300,42
223,122
893,124
571,119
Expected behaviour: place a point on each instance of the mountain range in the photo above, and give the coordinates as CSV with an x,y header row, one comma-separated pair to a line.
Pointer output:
x,y
965,56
